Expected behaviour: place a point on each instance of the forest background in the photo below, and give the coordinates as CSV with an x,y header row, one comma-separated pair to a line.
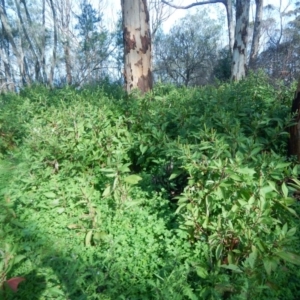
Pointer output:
x,y
69,42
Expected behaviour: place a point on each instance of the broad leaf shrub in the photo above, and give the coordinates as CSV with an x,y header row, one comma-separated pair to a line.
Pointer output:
x,y
180,194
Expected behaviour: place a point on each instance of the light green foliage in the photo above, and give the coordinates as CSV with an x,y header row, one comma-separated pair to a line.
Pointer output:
x,y
181,194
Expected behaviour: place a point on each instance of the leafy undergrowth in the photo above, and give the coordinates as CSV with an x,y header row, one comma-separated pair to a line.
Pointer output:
x,y
181,194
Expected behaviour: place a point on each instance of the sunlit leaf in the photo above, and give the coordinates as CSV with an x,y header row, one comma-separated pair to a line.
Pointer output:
x,y
132,179
285,190
106,192
202,272
50,195
88,238
246,171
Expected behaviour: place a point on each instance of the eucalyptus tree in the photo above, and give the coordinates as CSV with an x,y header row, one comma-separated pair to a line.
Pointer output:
x,y
16,48
186,55
239,54
7,76
257,31
34,45
55,42
64,14
137,45
238,33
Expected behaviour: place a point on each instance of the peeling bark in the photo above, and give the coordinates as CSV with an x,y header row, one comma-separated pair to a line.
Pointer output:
x,y
239,57
137,45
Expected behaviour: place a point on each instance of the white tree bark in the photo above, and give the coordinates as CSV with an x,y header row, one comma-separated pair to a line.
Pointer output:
x,y
256,32
230,24
30,42
16,50
137,45
66,8
54,51
239,57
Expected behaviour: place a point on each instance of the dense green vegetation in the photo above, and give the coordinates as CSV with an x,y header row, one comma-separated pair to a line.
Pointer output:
x,y
180,194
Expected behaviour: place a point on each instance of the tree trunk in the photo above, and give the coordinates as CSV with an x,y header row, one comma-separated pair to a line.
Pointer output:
x,y
294,131
137,45
30,43
40,66
54,51
68,61
256,33
230,24
43,44
65,23
239,58
7,82
17,51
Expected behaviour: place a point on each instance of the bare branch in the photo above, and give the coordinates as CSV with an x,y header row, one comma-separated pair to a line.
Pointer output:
x,y
194,4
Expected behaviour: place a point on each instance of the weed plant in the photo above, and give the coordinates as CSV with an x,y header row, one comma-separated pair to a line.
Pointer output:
x,y
184,193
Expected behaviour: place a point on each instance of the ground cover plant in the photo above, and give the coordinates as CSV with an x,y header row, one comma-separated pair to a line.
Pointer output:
x,y
179,194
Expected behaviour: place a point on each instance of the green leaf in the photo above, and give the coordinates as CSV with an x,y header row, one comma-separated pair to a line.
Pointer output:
x,y
189,223
60,210
55,291
292,211
289,201
285,190
255,151
232,268
252,257
296,181
88,238
106,192
270,265
246,171
235,177
99,236
18,258
282,165
174,175
284,229
132,179
219,250
143,148
289,257
291,232
202,272
73,226
124,169
50,195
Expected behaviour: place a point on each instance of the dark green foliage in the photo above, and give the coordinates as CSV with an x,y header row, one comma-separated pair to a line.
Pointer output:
x,y
181,194
222,69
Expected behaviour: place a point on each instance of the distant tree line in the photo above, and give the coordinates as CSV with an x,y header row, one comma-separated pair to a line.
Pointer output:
x,y
59,42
